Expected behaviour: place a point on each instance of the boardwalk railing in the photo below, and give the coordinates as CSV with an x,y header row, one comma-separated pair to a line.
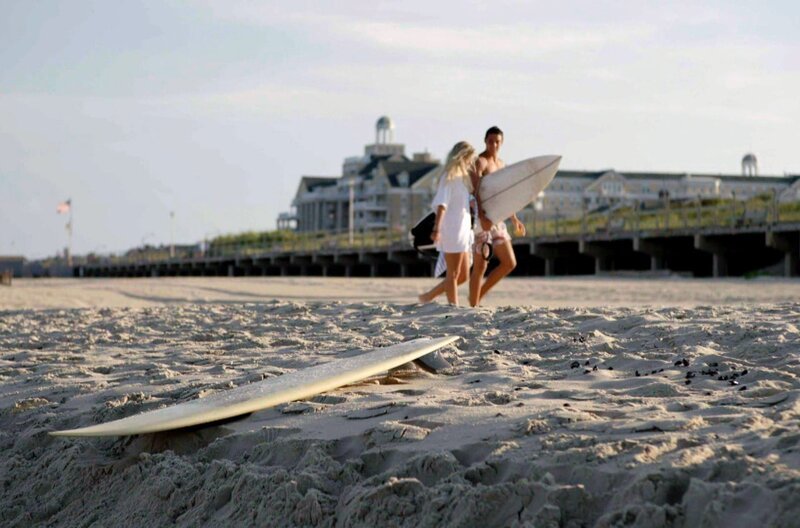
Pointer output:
x,y
670,216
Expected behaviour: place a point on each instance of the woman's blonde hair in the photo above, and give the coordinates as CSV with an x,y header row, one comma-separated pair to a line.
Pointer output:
x,y
459,162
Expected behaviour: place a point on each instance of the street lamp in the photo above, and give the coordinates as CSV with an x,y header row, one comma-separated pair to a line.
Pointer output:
x,y
350,215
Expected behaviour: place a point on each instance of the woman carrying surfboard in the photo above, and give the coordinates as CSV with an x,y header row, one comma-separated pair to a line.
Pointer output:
x,y
485,232
452,231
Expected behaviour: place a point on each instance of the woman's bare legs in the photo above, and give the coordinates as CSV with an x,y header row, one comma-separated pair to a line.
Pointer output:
x,y
441,288
455,261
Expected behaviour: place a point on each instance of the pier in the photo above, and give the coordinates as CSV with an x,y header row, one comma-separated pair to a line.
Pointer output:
x,y
717,240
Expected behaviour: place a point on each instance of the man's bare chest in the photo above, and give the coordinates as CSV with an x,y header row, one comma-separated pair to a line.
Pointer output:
x,y
492,167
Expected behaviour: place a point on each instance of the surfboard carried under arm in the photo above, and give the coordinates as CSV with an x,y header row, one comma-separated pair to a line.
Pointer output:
x,y
511,188
268,393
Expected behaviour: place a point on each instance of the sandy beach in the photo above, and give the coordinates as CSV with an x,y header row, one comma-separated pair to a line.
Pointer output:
x,y
555,292
570,402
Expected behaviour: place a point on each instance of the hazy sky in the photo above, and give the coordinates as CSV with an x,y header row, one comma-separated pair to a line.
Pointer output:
x,y
215,109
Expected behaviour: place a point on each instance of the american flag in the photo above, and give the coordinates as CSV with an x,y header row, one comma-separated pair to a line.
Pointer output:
x,y
63,207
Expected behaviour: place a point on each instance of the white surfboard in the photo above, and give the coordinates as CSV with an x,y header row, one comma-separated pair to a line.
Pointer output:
x,y
508,190
268,393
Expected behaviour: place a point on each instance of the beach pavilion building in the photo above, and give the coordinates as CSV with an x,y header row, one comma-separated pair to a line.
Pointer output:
x,y
381,187
571,191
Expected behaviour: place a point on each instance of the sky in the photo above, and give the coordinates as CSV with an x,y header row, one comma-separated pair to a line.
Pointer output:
x,y
213,110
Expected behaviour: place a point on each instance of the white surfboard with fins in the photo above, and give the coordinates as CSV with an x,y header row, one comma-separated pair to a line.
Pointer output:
x,y
268,393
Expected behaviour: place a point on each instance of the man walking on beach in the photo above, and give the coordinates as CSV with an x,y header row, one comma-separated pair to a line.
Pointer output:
x,y
485,233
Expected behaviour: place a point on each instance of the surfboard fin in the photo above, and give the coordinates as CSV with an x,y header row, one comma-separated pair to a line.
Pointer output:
x,y
433,362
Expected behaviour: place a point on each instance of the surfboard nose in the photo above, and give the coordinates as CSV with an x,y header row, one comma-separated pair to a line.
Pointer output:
x,y
554,160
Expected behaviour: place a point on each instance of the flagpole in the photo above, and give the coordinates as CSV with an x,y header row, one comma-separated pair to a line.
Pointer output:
x,y
66,207
69,235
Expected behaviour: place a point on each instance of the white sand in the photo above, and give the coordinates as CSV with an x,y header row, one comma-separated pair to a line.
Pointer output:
x,y
511,436
544,292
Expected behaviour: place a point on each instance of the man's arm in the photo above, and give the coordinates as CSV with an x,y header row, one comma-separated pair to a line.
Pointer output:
x,y
475,176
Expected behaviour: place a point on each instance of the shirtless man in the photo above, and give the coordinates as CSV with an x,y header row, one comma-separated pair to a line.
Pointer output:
x,y
486,233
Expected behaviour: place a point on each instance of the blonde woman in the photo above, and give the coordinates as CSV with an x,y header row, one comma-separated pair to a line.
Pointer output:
x,y
452,231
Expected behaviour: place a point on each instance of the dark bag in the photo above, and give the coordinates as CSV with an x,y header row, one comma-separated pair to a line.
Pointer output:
x,y
421,237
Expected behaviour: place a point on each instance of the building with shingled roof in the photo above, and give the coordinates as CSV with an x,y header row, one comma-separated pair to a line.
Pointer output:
x,y
384,194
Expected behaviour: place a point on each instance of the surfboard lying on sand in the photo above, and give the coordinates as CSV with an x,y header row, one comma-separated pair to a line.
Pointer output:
x,y
268,393
508,190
